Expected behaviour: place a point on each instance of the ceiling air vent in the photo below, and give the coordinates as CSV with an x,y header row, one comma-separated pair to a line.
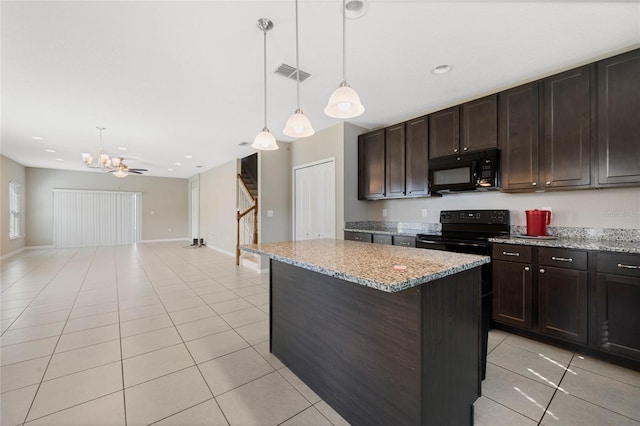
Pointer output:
x,y
290,72
243,143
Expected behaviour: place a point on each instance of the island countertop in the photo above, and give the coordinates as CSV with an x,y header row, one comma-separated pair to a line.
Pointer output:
x,y
383,267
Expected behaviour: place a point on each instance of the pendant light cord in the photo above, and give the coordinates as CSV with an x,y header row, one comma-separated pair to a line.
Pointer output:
x,y
265,77
344,41
297,60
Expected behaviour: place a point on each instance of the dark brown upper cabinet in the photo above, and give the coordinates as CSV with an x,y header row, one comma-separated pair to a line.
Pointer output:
x,y
371,165
472,126
479,130
444,132
619,120
519,137
417,164
566,128
394,161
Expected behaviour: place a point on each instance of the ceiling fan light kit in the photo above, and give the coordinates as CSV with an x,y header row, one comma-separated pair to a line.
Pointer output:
x,y
113,165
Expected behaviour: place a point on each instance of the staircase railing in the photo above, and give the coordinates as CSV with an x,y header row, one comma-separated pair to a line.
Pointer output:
x,y
246,217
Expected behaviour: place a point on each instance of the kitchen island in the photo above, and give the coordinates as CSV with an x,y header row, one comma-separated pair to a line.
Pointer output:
x,y
384,334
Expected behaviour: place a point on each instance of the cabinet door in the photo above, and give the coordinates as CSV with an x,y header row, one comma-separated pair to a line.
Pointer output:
x,y
417,161
444,133
394,162
480,124
358,236
403,240
382,239
618,123
567,136
371,161
618,315
512,293
518,137
562,303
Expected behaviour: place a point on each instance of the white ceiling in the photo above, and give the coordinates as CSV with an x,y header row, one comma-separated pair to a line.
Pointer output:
x,y
170,79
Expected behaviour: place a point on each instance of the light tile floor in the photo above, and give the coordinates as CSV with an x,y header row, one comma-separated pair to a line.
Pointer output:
x,y
160,333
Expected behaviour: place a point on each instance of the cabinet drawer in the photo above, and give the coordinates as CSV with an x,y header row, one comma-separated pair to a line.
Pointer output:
x,y
562,258
358,236
381,239
401,240
511,253
619,264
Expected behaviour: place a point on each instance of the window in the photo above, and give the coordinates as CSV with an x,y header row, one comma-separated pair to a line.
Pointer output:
x,y
14,210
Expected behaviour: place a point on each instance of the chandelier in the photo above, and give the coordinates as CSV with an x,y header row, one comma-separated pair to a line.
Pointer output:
x,y
109,164
103,162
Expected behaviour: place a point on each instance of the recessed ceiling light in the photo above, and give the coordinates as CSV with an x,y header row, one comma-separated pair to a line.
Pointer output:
x,y
59,159
49,150
122,148
198,167
38,138
355,9
188,156
170,170
442,69
178,164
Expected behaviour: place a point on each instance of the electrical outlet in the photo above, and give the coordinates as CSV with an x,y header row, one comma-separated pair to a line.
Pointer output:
x,y
424,212
169,229
384,212
269,213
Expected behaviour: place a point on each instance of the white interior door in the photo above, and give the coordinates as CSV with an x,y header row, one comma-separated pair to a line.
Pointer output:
x,y
314,201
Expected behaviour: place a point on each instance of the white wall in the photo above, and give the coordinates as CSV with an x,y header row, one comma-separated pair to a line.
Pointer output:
x,y
603,208
11,171
164,201
218,206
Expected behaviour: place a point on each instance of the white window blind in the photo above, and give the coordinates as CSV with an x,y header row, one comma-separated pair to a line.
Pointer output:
x,y
95,218
15,195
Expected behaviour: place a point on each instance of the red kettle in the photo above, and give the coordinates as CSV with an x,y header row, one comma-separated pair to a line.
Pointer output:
x,y
537,221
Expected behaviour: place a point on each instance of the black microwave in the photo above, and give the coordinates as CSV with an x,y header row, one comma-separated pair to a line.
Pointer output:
x,y
465,172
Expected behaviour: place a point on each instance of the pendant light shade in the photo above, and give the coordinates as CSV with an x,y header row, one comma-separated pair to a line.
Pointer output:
x,y
265,141
344,101
298,125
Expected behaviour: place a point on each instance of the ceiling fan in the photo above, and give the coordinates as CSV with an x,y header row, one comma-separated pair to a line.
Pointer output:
x,y
122,170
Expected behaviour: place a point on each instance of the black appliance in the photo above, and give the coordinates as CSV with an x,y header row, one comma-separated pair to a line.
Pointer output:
x,y
465,172
468,231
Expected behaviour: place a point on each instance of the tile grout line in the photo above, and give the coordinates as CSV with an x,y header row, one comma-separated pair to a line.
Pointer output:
x,y
124,394
555,391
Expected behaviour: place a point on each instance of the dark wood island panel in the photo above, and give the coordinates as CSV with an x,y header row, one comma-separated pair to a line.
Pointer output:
x,y
405,358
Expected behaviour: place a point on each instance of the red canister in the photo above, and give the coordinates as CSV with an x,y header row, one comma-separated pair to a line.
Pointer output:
x,y
537,221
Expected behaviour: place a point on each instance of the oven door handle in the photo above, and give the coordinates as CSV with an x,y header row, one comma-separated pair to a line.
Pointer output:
x,y
451,243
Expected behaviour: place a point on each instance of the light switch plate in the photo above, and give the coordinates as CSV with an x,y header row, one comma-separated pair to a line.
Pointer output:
x,y
384,212
269,213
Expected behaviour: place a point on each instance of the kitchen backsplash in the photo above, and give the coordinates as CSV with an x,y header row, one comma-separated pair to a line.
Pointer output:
x,y
412,228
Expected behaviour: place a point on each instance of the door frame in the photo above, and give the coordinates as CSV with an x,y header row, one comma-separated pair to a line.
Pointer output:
x,y
331,160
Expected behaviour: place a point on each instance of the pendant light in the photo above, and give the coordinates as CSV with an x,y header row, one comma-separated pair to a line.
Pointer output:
x,y
298,125
344,101
265,141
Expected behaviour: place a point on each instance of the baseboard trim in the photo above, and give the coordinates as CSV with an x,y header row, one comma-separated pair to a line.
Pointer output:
x,y
163,240
228,253
39,247
12,253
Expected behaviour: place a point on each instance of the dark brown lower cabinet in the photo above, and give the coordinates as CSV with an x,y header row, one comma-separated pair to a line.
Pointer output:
x,y
512,293
562,302
618,302
364,237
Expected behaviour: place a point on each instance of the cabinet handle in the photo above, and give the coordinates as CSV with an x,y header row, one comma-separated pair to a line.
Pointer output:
x,y
542,271
508,253
455,149
534,183
548,183
466,148
562,259
526,268
622,265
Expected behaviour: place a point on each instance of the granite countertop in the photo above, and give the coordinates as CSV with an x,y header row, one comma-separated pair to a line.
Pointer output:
x,y
575,243
384,232
367,264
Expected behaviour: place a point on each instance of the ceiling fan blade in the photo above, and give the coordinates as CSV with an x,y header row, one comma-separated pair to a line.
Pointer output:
x,y
135,172
139,170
